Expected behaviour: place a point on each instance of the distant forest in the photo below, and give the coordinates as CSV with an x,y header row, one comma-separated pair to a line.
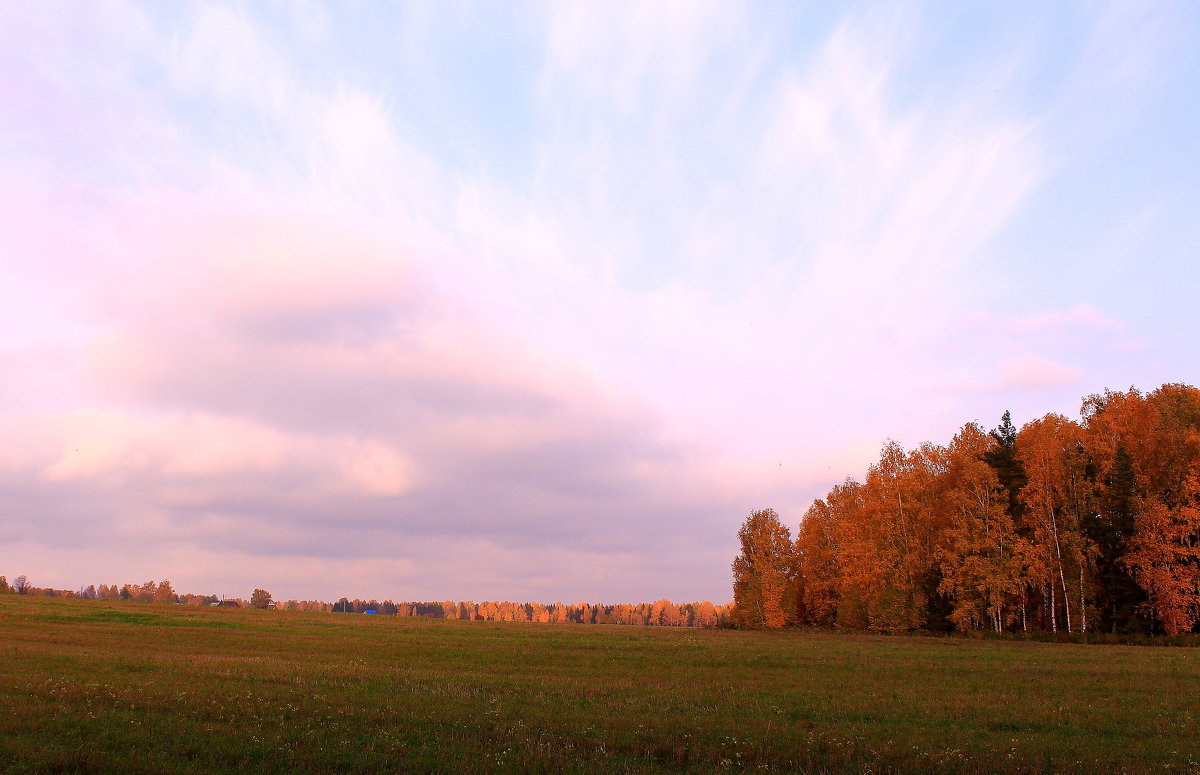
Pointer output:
x,y
661,613
1061,526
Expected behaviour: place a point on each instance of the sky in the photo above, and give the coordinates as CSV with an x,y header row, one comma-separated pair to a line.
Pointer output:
x,y
476,301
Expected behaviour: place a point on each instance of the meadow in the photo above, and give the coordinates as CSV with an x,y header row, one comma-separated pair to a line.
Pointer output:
x,y
89,687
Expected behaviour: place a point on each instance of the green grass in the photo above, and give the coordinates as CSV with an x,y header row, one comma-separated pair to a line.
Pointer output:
x,y
122,687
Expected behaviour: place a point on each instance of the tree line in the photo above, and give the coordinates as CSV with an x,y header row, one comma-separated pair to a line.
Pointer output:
x,y
1060,526
662,613
147,592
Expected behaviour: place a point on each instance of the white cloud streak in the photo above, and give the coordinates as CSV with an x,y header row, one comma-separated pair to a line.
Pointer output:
x,y
304,335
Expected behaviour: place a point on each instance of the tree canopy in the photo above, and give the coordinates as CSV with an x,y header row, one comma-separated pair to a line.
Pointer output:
x,y
1056,526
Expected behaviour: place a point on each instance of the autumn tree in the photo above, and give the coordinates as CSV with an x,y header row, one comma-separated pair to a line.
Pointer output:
x,y
763,574
20,584
164,593
706,614
1158,437
1164,554
927,522
888,538
983,560
818,545
1165,560
855,564
1062,552
144,593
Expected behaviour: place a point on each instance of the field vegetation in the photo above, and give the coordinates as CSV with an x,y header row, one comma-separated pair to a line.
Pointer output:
x,y
93,686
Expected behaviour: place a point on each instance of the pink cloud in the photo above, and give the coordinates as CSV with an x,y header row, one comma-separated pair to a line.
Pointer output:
x,y
279,385
1030,370
1078,318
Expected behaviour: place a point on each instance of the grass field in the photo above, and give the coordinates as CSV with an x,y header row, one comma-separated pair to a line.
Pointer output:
x,y
119,687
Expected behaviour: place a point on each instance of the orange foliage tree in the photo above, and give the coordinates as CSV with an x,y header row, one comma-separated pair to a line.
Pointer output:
x,y
163,593
764,573
1164,552
1053,513
984,559
818,549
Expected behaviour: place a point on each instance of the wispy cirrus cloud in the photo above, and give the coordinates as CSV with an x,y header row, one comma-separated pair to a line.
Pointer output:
x,y
452,305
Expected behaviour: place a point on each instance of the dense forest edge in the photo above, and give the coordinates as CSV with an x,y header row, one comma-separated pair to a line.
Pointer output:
x,y
1068,528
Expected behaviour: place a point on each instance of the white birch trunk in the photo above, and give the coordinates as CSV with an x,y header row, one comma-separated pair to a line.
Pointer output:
x,y
1061,576
1053,610
1082,601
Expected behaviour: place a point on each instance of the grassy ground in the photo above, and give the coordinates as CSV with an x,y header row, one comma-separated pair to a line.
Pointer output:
x,y
121,687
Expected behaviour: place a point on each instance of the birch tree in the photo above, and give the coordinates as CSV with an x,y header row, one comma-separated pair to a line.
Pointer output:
x,y
764,573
